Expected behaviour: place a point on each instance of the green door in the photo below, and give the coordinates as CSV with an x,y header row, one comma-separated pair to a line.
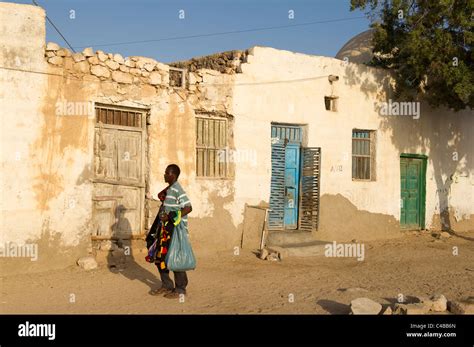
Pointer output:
x,y
412,184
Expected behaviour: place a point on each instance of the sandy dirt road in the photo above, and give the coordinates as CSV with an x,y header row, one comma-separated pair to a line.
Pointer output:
x,y
415,264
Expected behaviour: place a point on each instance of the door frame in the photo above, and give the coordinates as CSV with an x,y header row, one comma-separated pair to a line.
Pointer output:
x,y
144,184
422,195
300,142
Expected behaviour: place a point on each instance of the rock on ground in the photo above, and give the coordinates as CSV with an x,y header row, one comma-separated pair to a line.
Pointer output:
x,y
282,252
365,306
87,263
439,303
273,257
463,306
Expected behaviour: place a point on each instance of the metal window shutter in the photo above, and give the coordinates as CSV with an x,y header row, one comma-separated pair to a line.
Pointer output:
x,y
310,188
277,194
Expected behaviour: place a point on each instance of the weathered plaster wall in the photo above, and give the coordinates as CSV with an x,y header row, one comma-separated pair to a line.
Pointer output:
x,y
39,154
448,140
215,222
23,38
287,87
47,159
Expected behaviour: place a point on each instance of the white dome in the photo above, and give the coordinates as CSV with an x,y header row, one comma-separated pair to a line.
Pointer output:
x,y
358,49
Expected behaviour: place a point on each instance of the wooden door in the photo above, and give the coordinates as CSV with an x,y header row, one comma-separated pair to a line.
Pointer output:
x,y
129,157
118,198
412,193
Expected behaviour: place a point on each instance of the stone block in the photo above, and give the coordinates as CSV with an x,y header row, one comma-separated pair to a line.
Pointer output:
x,y
122,77
88,52
56,60
77,57
100,71
365,306
51,46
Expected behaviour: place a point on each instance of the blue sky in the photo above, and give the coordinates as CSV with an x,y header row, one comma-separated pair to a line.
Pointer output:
x,y
101,22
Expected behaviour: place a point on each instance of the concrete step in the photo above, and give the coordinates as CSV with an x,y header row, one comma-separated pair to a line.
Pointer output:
x,y
307,249
296,243
286,238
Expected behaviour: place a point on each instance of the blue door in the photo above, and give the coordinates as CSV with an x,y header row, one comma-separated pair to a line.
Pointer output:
x,y
285,180
292,174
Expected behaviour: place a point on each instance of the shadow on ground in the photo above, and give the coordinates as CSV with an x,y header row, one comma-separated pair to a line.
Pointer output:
x,y
334,307
121,260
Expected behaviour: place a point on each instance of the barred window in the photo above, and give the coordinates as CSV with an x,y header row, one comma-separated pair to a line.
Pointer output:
x,y
118,116
363,155
211,147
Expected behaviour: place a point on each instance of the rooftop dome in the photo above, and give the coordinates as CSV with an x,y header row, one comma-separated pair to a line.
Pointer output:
x,y
358,49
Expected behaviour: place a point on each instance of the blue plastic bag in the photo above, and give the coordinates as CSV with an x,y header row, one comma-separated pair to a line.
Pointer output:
x,y
151,256
180,256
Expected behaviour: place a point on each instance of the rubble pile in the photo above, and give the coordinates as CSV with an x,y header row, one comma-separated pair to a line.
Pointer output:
x,y
436,304
226,62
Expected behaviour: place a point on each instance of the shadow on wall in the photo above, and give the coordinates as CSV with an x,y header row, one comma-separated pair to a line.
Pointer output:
x,y
121,260
341,220
353,77
437,133
447,145
84,177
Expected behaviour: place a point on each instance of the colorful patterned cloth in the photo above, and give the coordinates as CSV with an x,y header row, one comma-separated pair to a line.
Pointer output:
x,y
173,200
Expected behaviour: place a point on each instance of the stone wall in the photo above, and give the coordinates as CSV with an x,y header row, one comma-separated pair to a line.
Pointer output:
x,y
108,66
225,62
112,79
48,158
